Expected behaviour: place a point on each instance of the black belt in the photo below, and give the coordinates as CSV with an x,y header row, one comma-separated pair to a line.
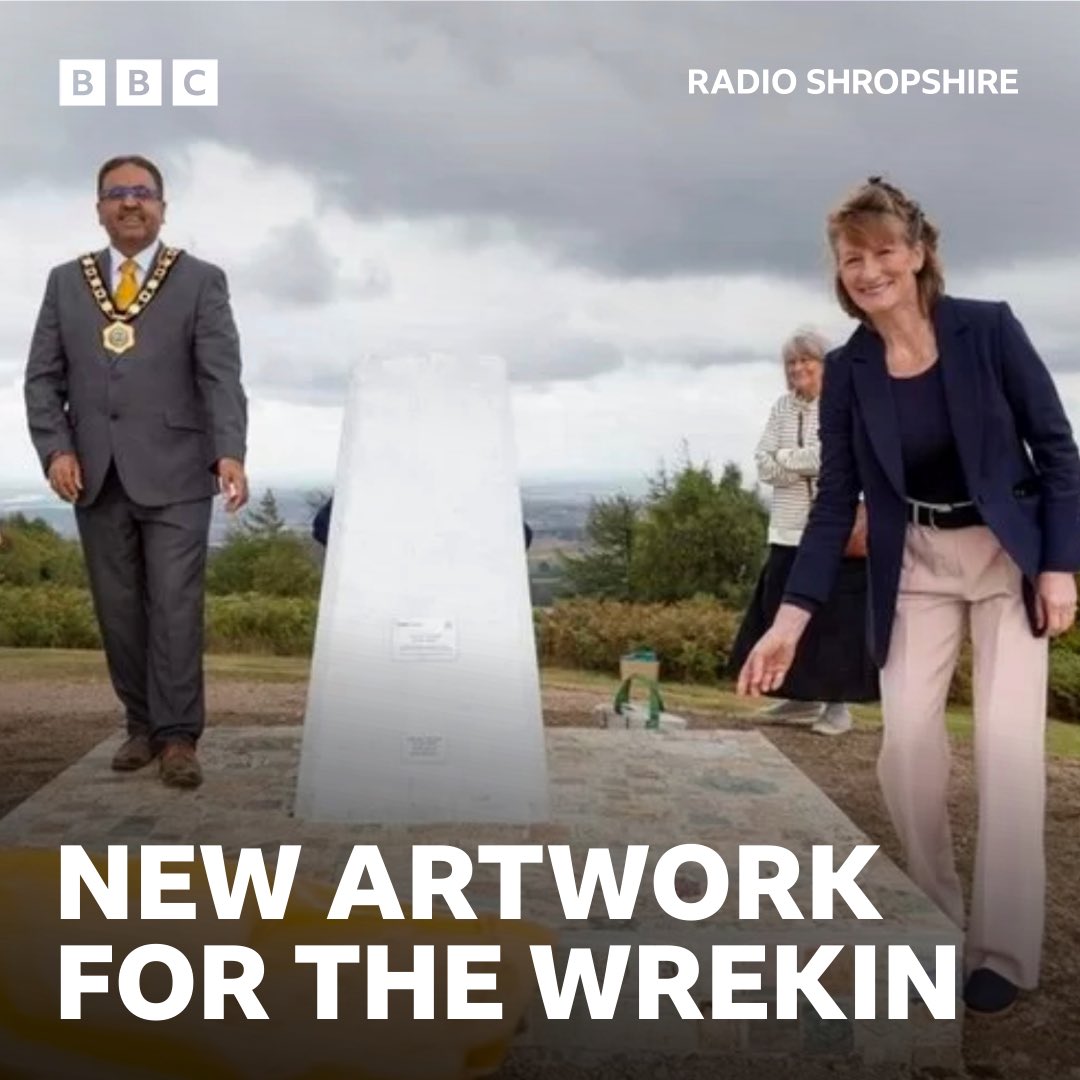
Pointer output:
x,y
936,516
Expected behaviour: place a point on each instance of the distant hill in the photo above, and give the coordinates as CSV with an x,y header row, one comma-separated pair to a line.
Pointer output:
x,y
556,509
291,503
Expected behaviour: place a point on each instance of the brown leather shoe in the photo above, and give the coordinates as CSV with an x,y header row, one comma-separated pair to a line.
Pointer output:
x,y
179,766
135,753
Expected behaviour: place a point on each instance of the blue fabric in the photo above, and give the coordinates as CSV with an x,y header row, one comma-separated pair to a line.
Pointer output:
x,y
320,525
1016,449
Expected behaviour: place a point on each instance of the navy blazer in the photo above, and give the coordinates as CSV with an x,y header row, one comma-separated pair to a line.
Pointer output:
x,y
1013,438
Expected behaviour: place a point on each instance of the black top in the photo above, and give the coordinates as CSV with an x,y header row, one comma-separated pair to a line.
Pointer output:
x,y
932,469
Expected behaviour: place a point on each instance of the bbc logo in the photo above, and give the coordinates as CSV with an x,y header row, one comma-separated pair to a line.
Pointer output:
x,y
139,82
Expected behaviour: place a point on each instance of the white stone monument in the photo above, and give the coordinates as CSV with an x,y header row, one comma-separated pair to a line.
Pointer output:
x,y
424,701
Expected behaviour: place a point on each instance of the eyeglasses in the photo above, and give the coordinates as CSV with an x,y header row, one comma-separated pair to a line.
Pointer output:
x,y
139,192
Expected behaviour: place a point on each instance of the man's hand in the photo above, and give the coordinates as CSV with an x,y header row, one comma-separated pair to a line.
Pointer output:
x,y
232,481
65,476
767,665
1055,601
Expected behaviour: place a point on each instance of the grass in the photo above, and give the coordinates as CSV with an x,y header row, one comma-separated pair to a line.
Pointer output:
x,y
88,665
74,665
1062,739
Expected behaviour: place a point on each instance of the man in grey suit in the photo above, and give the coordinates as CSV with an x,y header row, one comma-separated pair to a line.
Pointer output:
x,y
136,410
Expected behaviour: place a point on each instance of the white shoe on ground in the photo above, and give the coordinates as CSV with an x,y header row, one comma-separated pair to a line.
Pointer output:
x,y
835,720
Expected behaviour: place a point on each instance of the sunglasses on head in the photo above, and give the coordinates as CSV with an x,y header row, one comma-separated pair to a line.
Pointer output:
x,y
140,192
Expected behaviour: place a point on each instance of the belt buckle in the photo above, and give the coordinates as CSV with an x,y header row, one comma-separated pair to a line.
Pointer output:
x,y
918,509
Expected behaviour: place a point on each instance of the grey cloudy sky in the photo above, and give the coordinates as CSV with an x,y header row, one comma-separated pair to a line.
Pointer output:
x,y
534,180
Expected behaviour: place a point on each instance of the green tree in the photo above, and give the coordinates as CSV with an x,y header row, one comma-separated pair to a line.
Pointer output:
x,y
282,565
264,519
261,555
604,568
34,553
698,535
231,568
285,567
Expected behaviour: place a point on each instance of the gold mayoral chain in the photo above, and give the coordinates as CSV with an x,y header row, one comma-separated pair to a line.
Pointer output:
x,y
119,335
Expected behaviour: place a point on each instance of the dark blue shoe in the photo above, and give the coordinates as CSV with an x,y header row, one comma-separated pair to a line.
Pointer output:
x,y
988,993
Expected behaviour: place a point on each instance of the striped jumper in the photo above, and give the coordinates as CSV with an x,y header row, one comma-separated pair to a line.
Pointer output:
x,y
788,458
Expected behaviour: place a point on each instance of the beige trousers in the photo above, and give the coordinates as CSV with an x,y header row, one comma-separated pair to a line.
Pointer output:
x,y
951,578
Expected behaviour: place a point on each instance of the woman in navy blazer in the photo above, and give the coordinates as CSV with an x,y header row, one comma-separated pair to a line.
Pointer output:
x,y
941,413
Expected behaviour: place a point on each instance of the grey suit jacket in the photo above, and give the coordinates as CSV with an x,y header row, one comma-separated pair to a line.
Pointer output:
x,y
165,411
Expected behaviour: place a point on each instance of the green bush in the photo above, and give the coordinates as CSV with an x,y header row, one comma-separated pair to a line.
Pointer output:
x,y
251,623
281,565
47,617
59,617
960,693
1065,685
1064,690
34,553
693,638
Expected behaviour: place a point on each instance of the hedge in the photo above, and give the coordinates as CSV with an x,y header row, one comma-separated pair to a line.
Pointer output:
x,y
693,638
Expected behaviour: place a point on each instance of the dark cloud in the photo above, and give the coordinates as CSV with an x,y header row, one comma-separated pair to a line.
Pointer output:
x,y
299,378
572,125
293,267
285,374
562,358
703,356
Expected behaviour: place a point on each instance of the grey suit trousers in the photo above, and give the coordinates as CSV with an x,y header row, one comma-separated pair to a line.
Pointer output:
x,y
147,568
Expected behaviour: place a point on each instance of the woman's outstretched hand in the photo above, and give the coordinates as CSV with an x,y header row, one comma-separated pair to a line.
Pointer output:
x,y
767,665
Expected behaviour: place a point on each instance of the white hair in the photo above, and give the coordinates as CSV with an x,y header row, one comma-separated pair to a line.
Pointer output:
x,y
805,343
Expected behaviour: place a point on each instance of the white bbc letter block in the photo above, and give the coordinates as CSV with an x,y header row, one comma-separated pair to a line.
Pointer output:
x,y
424,701
138,82
82,82
195,82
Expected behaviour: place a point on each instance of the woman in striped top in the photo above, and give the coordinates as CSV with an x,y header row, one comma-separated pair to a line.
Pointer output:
x,y
836,667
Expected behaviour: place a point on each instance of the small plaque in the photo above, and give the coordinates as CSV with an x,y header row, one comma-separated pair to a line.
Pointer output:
x,y
423,749
425,639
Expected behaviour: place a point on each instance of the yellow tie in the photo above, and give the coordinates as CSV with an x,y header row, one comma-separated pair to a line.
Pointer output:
x,y
128,288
